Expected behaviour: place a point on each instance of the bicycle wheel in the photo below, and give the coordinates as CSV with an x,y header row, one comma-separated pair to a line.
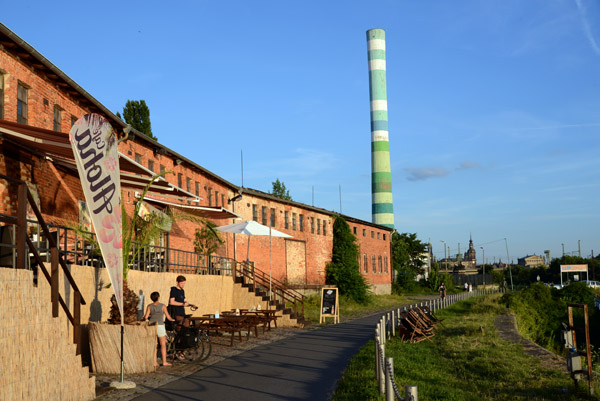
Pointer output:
x,y
206,345
194,353
171,344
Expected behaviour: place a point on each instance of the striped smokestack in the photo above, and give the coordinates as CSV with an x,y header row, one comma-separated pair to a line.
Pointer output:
x,y
381,174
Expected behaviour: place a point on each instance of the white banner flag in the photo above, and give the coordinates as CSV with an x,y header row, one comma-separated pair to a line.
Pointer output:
x,y
94,144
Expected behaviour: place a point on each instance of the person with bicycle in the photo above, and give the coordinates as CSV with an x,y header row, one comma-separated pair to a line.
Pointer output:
x,y
156,312
442,290
178,303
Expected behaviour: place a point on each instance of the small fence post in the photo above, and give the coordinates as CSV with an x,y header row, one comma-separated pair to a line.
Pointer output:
x,y
393,323
410,393
377,353
382,371
389,371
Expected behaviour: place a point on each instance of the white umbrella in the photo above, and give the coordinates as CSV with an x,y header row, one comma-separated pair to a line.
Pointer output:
x,y
250,227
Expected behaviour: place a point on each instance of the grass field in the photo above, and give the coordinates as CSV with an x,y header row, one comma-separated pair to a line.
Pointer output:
x,y
466,361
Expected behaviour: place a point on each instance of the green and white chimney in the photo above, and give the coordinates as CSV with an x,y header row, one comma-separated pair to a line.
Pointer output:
x,y
381,174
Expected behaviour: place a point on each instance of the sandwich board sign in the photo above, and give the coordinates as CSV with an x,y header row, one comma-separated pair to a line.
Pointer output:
x,y
330,304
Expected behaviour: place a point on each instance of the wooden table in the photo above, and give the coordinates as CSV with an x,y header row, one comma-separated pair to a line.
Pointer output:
x,y
228,323
264,316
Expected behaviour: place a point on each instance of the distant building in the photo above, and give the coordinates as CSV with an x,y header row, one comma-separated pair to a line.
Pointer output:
x,y
467,263
532,261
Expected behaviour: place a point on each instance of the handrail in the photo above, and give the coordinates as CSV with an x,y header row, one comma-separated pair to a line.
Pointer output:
x,y
259,278
24,198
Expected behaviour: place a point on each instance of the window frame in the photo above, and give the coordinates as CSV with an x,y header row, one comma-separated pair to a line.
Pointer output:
x,y
57,118
22,104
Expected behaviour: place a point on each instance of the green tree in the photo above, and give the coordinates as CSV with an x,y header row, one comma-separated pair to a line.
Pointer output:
x,y
343,270
207,239
137,114
280,191
406,257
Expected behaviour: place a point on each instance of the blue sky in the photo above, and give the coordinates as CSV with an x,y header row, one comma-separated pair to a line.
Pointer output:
x,y
494,107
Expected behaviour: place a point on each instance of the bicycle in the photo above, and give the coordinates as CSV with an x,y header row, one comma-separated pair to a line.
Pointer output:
x,y
190,344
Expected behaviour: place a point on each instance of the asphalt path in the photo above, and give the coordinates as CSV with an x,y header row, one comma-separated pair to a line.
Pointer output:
x,y
305,366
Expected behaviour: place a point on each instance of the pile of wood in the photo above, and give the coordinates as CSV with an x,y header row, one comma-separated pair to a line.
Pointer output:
x,y
417,324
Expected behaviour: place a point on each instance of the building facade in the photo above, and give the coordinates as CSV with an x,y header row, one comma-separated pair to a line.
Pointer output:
x,y
532,261
38,105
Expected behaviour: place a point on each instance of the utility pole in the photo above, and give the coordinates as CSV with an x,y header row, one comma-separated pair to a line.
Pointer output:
x,y
446,260
509,269
579,247
483,264
563,247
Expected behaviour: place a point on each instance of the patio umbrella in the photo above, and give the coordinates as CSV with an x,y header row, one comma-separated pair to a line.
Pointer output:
x,y
250,227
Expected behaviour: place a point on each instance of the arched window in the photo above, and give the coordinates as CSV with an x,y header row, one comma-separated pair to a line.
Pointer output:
x,y
374,263
365,263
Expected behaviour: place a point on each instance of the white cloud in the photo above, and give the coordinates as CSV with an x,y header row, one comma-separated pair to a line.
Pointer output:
x,y
587,27
424,173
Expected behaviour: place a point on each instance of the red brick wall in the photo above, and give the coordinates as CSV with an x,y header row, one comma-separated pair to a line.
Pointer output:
x,y
39,114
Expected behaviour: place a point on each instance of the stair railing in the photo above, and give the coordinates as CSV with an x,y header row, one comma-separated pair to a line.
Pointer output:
x,y
280,293
26,248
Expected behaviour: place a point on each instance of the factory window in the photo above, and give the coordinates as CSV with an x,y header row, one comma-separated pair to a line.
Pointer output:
x,y
384,237
286,220
138,159
324,227
197,188
378,235
374,263
151,165
365,263
209,196
380,265
354,230
217,202
22,101
162,169
57,118
223,200
364,232
372,234
272,217
293,221
264,215
385,264
312,225
188,184
301,221
318,226
255,213
179,175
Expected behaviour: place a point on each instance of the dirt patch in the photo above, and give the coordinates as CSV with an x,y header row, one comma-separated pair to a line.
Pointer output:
x,y
507,329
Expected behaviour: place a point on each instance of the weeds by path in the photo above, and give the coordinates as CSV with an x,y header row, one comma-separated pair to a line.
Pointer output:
x,y
466,361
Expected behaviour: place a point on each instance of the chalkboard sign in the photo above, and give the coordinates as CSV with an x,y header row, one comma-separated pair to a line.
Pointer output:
x,y
330,304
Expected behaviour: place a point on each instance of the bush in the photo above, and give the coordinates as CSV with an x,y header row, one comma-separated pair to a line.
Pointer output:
x,y
343,270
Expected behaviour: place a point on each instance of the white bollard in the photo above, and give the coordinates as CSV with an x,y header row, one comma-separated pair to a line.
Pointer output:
x,y
410,393
389,371
382,372
377,355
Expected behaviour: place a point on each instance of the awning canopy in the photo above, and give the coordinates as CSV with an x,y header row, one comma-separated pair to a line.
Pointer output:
x,y
214,213
56,145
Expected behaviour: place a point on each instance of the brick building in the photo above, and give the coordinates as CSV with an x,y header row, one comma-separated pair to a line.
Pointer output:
x,y
38,105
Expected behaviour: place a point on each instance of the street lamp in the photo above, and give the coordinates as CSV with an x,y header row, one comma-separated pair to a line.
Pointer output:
x,y
563,246
483,264
446,260
508,261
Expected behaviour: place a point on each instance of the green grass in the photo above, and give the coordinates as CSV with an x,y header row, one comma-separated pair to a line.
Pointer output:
x,y
466,361
351,310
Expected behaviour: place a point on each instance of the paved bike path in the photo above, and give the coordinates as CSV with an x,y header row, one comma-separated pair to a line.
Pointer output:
x,y
305,366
